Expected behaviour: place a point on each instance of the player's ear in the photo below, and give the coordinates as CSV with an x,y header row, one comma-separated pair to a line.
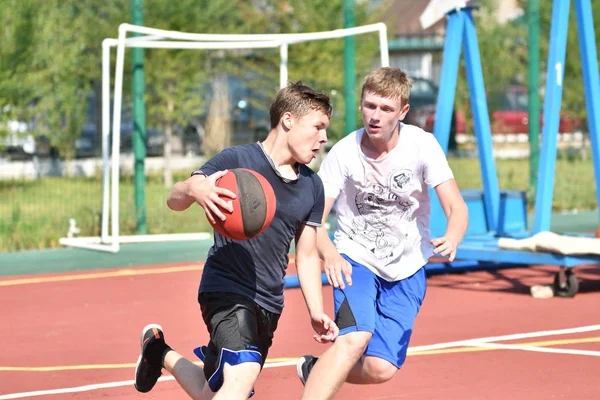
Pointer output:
x,y
287,120
404,111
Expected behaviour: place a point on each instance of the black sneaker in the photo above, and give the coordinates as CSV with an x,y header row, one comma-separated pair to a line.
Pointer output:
x,y
304,365
149,364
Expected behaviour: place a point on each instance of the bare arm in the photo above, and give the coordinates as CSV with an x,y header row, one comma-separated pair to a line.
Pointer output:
x,y
336,268
457,215
308,266
180,197
324,243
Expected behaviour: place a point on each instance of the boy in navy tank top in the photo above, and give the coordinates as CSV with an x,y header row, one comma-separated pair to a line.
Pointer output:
x,y
241,291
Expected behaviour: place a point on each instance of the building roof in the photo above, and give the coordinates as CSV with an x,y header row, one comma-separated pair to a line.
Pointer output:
x,y
404,18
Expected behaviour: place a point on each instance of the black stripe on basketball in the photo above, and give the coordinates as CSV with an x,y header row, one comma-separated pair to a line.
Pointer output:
x,y
253,202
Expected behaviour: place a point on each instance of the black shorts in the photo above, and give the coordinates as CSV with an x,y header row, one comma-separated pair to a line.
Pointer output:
x,y
240,331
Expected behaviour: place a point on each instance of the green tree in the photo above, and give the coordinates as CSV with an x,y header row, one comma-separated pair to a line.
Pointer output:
x,y
63,66
320,63
50,61
17,46
51,56
176,78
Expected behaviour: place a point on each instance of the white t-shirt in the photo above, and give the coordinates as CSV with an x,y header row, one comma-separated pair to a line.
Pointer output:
x,y
383,205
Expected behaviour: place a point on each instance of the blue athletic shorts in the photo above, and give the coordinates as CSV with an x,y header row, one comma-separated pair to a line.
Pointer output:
x,y
386,309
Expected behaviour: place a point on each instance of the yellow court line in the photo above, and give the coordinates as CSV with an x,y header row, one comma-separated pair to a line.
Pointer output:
x,y
547,343
108,274
470,349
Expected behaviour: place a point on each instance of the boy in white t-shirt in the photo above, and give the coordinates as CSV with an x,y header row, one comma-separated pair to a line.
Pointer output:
x,y
380,177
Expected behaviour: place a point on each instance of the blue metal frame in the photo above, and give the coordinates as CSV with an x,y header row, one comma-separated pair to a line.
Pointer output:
x,y
554,85
485,249
482,251
591,80
460,28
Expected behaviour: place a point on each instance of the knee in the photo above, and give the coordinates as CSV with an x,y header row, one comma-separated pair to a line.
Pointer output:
x,y
378,370
354,344
238,380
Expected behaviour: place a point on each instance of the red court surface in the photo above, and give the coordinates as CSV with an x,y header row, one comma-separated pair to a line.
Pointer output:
x,y
75,336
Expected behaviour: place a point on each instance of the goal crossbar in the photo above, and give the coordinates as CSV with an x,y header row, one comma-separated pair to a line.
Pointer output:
x,y
253,37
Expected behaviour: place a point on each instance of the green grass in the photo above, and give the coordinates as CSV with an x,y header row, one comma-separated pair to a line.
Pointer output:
x,y
35,214
574,183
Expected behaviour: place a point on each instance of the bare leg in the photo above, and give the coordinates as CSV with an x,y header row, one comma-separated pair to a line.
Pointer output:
x,y
331,371
238,381
369,370
189,376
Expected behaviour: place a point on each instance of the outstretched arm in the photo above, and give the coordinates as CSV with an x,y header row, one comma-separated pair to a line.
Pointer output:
x,y
308,266
457,215
201,189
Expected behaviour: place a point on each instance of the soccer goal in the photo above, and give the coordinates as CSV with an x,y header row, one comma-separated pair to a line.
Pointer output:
x,y
152,38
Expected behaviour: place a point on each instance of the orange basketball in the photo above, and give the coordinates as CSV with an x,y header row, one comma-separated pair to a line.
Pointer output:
x,y
253,207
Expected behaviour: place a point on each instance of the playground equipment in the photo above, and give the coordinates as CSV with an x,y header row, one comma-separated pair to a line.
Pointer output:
x,y
496,213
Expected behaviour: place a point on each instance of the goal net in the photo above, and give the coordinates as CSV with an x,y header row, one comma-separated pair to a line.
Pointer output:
x,y
152,38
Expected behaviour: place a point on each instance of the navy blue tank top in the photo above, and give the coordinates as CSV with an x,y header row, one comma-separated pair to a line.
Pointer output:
x,y
255,268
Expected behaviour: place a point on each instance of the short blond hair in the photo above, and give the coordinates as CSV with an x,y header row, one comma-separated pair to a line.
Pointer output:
x,y
388,82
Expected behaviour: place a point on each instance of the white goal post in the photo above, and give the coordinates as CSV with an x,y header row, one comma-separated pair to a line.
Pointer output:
x,y
110,240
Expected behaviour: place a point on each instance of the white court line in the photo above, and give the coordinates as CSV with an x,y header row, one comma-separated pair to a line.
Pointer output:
x,y
539,349
72,389
475,342
107,385
483,342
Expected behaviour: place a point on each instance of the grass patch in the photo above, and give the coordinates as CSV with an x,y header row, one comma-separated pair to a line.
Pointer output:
x,y
574,183
35,214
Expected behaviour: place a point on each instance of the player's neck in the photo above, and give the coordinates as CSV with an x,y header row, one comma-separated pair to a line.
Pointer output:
x,y
281,157
377,148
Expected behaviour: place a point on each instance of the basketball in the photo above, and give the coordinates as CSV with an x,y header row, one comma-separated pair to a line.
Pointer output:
x,y
253,207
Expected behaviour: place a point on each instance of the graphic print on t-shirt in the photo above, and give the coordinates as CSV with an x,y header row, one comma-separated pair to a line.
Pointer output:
x,y
381,210
401,181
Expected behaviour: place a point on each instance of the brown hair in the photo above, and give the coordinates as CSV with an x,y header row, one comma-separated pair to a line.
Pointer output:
x,y
298,99
388,82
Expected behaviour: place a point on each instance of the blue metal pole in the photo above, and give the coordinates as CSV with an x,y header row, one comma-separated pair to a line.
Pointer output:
x,y
445,106
554,85
292,281
449,74
491,191
591,81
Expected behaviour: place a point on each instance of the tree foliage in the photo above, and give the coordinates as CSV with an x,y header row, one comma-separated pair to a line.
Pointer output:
x,y
51,56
